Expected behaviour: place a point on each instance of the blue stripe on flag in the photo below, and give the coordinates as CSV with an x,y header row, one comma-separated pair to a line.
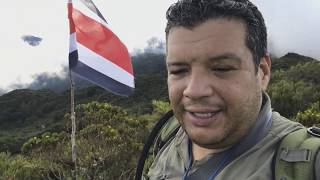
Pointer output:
x,y
100,79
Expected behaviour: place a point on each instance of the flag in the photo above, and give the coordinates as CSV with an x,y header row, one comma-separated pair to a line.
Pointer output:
x,y
95,52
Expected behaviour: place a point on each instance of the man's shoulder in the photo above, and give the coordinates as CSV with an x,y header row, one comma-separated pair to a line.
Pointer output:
x,y
282,126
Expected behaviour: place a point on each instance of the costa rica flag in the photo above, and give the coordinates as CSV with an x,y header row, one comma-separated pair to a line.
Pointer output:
x,y
95,52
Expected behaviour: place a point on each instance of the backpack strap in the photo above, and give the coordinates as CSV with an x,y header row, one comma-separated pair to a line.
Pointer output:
x,y
296,156
167,133
150,141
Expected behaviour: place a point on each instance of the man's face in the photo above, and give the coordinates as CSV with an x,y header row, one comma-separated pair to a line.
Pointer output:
x,y
213,87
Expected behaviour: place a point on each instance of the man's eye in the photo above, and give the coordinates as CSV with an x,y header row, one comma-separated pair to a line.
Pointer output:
x,y
178,71
223,69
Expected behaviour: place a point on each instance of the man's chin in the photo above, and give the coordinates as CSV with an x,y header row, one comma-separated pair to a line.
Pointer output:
x,y
212,142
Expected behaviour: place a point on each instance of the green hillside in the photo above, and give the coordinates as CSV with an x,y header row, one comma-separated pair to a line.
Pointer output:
x,y
27,113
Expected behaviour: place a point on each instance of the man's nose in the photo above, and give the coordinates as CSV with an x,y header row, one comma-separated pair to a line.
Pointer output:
x,y
198,86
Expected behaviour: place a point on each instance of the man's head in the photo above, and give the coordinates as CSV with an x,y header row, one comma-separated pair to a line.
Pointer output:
x,y
215,83
190,13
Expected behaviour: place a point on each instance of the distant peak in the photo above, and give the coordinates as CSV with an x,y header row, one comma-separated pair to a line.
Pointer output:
x,y
295,55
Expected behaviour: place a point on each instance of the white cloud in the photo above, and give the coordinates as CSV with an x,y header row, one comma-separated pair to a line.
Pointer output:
x,y
293,25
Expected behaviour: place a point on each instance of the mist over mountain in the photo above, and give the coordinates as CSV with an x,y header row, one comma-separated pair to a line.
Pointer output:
x,y
151,58
57,82
148,61
2,91
155,46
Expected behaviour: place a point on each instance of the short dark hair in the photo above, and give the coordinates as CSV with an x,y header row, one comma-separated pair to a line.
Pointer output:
x,y
190,13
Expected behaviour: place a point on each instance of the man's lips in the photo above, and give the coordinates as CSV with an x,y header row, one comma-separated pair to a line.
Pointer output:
x,y
202,117
203,110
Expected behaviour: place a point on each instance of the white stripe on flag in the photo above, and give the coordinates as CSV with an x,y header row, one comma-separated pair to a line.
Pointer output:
x,y
73,43
104,66
86,11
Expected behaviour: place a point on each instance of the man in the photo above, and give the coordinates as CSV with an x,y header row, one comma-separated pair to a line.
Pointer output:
x,y
218,72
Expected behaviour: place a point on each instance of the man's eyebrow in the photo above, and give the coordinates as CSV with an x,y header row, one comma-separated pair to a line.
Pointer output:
x,y
176,63
226,56
215,59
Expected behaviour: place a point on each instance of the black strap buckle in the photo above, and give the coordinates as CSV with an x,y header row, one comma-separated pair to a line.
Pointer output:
x,y
314,131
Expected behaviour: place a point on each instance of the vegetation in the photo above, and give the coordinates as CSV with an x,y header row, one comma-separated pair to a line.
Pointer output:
x,y
35,124
296,86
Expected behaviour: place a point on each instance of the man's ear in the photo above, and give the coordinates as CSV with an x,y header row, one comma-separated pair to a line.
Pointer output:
x,y
265,71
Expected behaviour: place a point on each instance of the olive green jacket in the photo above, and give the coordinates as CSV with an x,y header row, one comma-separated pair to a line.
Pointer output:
x,y
254,164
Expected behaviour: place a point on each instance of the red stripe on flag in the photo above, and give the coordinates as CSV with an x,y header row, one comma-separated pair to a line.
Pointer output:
x,y
101,40
71,23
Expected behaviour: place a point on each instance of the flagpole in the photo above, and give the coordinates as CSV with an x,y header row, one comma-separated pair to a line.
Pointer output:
x,y
73,133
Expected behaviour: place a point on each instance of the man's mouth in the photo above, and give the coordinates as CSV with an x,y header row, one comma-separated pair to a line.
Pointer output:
x,y
204,115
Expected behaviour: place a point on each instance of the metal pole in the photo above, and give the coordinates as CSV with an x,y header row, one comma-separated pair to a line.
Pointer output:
x,y
73,133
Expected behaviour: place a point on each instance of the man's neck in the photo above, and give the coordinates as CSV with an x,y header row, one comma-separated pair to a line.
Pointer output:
x,y
199,152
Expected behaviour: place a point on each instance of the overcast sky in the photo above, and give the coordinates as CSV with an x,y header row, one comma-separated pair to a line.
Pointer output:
x,y
293,26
